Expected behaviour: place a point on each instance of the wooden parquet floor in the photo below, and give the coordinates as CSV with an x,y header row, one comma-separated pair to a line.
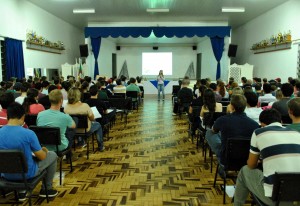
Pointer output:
x,y
149,162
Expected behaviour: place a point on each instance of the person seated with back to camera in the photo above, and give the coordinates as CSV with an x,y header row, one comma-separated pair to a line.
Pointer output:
x,y
30,103
184,97
14,136
235,124
93,101
53,117
76,107
279,148
252,110
119,88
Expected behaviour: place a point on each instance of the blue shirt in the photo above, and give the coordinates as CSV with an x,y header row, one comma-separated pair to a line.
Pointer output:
x,y
17,137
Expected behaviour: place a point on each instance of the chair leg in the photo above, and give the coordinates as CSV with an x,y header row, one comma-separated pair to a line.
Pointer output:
x,y
60,171
211,160
87,148
71,165
224,192
46,189
29,201
217,170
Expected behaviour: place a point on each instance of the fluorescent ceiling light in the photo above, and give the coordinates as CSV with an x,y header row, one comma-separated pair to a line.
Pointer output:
x,y
233,9
157,10
83,11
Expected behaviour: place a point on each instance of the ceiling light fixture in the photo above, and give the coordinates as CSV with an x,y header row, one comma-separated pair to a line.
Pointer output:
x,y
83,11
233,9
157,10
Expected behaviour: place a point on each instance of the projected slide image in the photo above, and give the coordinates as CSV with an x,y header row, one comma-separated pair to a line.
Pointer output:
x,y
152,62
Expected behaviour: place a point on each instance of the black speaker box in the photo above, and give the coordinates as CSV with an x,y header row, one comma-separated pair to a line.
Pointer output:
x,y
155,48
232,50
118,47
84,52
194,47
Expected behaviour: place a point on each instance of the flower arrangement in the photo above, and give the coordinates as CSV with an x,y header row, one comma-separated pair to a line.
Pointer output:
x,y
273,40
32,37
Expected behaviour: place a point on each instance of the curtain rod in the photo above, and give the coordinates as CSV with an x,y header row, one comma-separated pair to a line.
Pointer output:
x,y
11,38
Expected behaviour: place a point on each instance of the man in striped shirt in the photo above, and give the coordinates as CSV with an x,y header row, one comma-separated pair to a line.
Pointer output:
x,y
279,149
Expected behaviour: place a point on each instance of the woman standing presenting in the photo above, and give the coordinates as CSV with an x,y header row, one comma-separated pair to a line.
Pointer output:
x,y
161,85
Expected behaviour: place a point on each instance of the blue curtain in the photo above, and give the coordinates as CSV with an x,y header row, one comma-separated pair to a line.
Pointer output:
x,y
217,44
14,59
96,43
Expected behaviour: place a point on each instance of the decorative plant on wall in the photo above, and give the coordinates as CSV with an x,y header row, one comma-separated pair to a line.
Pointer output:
x,y
273,40
32,37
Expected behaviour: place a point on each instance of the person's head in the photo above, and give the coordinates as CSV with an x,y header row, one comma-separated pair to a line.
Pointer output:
x,y
119,82
84,86
267,88
248,89
66,85
185,82
294,107
3,84
25,87
209,100
234,85
221,88
45,84
88,79
9,85
237,90
56,80
257,87
16,111
74,95
265,80
93,90
6,99
244,80
17,86
139,79
38,86
290,79
132,80
55,97
161,72
213,86
123,78
238,102
51,88
278,80
269,116
231,79
278,94
287,89
43,78
203,82
252,99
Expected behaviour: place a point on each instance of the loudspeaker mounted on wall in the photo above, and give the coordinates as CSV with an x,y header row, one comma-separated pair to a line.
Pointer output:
x,y
118,47
155,48
84,52
194,47
232,50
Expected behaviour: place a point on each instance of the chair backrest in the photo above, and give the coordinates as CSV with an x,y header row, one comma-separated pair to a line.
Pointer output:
x,y
236,153
118,95
82,121
47,135
30,119
286,187
12,161
142,90
132,94
175,90
118,103
264,104
196,112
209,118
224,103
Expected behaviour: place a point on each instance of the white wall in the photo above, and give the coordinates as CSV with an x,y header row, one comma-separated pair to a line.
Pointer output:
x,y
273,64
19,16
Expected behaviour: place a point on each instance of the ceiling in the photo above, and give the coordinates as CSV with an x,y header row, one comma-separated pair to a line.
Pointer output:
x,y
133,12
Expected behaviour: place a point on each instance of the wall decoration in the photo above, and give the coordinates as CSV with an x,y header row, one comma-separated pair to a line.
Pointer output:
x,y
273,40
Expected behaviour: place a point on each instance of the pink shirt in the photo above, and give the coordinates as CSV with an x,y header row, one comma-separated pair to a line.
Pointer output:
x,y
36,108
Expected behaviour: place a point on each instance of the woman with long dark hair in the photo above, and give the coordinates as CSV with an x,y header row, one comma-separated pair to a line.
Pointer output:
x,y
209,103
30,102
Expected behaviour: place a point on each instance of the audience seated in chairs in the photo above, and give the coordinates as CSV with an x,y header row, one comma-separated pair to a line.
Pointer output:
x,y
184,98
74,106
221,90
281,105
231,125
45,100
218,96
30,102
252,110
5,100
85,91
119,88
93,101
279,149
133,87
54,118
209,103
14,136
267,97
294,113
24,89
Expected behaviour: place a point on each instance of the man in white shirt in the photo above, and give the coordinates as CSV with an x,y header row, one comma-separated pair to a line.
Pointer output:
x,y
252,111
268,97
